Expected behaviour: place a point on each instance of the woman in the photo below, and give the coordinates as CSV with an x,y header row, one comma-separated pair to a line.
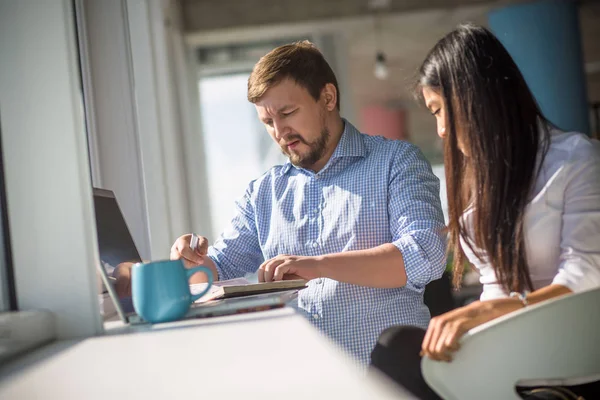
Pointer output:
x,y
523,197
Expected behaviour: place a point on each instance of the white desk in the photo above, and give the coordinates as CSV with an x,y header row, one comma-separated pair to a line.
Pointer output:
x,y
269,355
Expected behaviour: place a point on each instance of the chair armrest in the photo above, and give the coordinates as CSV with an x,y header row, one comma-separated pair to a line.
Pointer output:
x,y
559,338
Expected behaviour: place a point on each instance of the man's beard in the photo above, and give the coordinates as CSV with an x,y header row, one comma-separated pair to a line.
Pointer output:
x,y
316,150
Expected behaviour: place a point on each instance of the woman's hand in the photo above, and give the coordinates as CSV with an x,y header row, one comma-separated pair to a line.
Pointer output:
x,y
444,331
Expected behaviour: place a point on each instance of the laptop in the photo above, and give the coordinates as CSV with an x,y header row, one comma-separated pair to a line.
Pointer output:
x,y
116,245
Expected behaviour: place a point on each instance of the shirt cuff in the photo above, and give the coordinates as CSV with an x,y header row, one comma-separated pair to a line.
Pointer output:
x,y
418,268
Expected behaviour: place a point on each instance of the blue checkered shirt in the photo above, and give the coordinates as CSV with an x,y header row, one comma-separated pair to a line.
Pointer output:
x,y
372,191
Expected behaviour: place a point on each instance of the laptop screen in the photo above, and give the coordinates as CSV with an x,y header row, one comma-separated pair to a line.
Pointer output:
x,y
115,243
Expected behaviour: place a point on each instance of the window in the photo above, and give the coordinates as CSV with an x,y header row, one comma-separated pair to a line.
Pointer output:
x,y
238,148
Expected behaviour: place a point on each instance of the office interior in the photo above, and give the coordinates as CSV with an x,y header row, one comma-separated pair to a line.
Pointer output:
x,y
147,98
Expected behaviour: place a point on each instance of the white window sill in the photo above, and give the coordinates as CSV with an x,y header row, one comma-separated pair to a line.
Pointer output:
x,y
24,330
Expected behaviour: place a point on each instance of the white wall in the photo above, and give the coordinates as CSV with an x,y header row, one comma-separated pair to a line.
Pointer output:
x,y
46,165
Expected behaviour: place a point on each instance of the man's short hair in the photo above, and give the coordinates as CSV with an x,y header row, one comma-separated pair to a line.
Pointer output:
x,y
299,61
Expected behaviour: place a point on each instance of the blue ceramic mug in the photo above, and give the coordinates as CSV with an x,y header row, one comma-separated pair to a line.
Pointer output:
x,y
161,291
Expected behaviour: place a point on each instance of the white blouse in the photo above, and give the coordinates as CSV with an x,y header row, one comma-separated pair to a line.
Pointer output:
x,y
562,221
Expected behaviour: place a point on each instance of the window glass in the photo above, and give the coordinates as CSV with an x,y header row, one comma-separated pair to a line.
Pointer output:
x,y
238,147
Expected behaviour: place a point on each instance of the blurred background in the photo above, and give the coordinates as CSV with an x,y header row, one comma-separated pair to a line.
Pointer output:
x,y
193,142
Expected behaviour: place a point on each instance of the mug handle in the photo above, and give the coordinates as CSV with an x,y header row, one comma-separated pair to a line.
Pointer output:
x,y
208,273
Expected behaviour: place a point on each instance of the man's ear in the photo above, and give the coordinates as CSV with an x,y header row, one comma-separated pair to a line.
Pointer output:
x,y
330,95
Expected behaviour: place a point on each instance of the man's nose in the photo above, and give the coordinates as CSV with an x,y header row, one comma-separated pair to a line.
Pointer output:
x,y
281,130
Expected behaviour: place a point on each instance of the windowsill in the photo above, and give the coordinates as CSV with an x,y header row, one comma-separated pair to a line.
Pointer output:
x,y
22,331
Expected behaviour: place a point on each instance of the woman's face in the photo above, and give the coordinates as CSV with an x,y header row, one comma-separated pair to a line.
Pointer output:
x,y
435,103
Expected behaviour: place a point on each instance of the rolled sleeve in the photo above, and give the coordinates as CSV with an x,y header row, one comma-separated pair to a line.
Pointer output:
x,y
237,251
579,267
416,218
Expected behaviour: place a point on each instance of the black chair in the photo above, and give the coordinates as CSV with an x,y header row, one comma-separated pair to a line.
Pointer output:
x,y
438,295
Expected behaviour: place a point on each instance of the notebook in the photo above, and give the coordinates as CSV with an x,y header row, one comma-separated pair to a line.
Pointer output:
x,y
242,287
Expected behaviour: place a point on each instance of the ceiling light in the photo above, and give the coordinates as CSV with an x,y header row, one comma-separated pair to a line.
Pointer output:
x,y
379,4
381,69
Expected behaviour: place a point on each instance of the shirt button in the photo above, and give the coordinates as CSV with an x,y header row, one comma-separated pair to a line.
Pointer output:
x,y
316,210
319,281
315,316
315,244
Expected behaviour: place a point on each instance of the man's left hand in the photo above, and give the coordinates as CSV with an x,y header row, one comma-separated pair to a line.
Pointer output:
x,y
284,267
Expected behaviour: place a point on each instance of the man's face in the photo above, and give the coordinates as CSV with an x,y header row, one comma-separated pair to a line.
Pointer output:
x,y
295,121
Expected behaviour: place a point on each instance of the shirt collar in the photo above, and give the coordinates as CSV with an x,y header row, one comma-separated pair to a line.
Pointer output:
x,y
285,168
351,144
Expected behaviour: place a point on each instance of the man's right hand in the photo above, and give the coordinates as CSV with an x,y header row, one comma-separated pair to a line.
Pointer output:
x,y
181,250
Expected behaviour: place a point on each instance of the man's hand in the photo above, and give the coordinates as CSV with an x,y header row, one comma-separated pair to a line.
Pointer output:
x,y
284,267
122,274
444,331
181,250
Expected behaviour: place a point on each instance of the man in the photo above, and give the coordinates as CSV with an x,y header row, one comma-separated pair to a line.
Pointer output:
x,y
356,215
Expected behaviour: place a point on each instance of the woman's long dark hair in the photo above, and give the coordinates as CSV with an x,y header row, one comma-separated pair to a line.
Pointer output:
x,y
491,111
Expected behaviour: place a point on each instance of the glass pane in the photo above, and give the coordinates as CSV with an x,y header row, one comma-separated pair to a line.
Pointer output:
x,y
238,148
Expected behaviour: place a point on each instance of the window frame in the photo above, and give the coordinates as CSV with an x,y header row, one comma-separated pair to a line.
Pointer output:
x,y
51,217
